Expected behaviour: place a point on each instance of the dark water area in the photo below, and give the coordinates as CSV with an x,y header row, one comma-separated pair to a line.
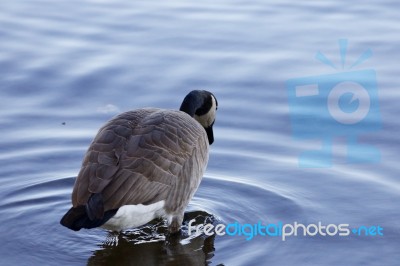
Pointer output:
x,y
66,67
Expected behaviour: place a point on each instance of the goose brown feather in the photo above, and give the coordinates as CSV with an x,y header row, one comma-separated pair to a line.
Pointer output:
x,y
143,157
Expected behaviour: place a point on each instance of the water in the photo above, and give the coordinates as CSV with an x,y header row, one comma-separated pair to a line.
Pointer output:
x,y
66,67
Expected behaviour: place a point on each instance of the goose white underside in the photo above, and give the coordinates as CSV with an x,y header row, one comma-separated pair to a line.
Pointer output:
x,y
130,216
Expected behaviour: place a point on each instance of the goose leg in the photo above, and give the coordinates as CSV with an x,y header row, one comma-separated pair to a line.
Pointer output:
x,y
175,222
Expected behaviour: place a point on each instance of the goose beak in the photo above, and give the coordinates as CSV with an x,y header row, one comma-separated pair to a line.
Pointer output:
x,y
210,134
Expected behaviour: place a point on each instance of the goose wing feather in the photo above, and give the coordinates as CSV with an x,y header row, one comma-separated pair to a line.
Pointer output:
x,y
138,157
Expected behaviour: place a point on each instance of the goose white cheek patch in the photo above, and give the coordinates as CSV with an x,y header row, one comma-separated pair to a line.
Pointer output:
x,y
207,119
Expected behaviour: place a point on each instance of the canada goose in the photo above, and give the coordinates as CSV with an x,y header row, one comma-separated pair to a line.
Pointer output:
x,y
144,164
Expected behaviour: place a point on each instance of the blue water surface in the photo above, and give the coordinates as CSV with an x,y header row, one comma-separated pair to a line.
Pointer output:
x,y
66,67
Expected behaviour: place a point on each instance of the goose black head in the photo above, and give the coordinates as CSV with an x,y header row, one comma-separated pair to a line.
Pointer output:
x,y
202,106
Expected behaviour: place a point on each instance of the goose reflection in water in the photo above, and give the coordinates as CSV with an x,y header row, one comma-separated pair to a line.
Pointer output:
x,y
152,245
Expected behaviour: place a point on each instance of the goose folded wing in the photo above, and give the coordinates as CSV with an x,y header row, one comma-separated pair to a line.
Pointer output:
x,y
128,166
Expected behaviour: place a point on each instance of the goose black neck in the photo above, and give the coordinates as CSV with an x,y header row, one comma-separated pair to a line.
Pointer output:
x,y
192,103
